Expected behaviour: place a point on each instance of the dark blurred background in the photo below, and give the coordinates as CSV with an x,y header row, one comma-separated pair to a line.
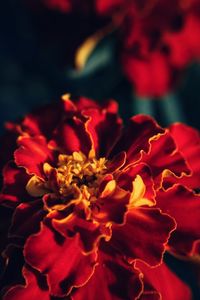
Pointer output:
x,y
36,47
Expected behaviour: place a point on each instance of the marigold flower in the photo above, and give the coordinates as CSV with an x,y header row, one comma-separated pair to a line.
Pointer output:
x,y
91,217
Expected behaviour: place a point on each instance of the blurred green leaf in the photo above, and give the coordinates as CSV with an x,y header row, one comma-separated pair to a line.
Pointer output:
x,y
102,73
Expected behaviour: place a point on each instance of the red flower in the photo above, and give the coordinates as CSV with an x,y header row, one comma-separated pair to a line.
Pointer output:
x,y
160,38
90,211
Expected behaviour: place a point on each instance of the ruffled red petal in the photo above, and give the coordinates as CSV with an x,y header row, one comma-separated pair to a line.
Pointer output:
x,y
71,136
169,159
35,288
112,208
184,206
113,279
116,162
161,280
85,103
136,137
144,235
43,121
189,145
60,259
32,154
89,232
104,127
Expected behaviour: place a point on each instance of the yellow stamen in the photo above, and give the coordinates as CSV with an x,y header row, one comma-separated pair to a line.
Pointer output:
x,y
75,179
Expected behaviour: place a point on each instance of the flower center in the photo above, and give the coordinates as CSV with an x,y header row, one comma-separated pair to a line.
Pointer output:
x,y
75,179
78,174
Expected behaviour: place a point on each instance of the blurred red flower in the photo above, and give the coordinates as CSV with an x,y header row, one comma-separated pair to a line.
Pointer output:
x,y
91,215
158,39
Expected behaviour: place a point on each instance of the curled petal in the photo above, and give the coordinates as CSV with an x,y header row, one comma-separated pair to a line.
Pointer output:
x,y
184,206
60,259
85,103
43,121
89,232
144,235
71,136
113,279
112,207
35,288
169,162
117,162
137,136
161,283
104,128
189,145
32,154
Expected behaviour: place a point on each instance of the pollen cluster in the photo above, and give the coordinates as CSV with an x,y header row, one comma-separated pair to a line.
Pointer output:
x,y
80,174
75,178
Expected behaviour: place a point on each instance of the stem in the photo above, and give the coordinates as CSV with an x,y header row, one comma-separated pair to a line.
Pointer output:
x,y
143,106
172,109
